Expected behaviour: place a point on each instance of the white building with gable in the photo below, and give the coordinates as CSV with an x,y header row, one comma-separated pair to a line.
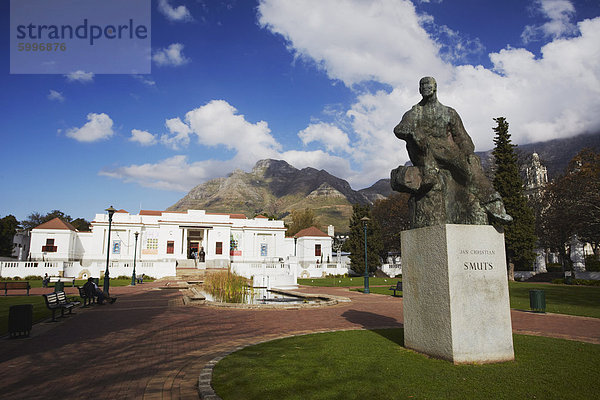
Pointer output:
x,y
171,242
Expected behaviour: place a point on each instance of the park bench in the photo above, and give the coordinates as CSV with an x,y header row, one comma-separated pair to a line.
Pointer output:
x,y
87,300
63,299
54,279
55,302
396,288
18,285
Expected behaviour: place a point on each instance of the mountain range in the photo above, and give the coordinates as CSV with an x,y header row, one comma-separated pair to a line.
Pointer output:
x,y
276,188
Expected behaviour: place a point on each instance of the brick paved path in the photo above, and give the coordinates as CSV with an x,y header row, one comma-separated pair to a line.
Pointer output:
x,y
149,345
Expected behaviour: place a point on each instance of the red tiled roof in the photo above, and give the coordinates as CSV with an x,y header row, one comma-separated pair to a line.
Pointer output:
x,y
56,223
312,231
122,211
261,217
151,212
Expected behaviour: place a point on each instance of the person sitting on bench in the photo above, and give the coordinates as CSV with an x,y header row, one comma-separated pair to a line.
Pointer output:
x,y
93,290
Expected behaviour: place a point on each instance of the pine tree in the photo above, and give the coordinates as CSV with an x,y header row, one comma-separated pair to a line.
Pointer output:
x,y
520,233
356,240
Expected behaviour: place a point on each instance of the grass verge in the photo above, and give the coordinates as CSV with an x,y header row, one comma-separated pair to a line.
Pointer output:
x,y
374,365
560,299
40,311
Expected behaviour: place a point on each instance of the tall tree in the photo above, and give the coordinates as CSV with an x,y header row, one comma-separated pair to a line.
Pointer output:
x,y
356,240
520,233
392,215
8,228
302,219
35,219
81,224
584,180
572,205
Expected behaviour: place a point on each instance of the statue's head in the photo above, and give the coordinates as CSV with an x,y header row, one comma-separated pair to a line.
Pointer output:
x,y
427,86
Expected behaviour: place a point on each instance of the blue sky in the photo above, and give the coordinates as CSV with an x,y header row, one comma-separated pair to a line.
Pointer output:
x,y
318,83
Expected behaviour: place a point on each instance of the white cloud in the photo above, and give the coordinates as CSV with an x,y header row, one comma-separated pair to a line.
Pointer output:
x,y
559,14
180,134
98,127
218,124
54,95
553,95
80,76
356,40
145,81
179,13
317,159
329,135
144,138
174,173
170,56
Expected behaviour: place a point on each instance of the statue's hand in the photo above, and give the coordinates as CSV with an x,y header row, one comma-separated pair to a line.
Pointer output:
x,y
408,180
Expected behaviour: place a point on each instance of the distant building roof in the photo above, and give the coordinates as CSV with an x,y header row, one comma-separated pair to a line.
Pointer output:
x,y
261,217
151,212
312,231
122,211
56,223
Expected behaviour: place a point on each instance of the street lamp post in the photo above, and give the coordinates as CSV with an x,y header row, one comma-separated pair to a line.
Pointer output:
x,y
106,288
365,221
134,251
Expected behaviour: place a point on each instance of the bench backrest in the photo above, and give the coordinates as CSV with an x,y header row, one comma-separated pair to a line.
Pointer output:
x,y
51,299
15,285
62,297
399,285
61,279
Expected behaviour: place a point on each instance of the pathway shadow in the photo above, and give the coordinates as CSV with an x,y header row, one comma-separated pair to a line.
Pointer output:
x,y
377,323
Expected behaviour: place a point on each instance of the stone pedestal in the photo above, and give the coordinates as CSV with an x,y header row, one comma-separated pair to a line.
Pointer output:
x,y
455,290
577,254
539,266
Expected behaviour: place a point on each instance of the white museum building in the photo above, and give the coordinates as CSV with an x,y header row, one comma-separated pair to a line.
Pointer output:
x,y
175,243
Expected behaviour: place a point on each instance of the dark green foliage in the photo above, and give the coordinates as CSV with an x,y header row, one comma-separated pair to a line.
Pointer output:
x,y
592,263
572,206
392,215
35,219
520,233
81,224
302,219
356,240
8,228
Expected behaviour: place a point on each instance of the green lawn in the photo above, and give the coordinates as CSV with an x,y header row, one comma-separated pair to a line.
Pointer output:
x,y
561,299
40,311
346,282
374,365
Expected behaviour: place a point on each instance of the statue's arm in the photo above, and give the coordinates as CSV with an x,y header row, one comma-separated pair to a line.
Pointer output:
x,y
404,130
460,135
